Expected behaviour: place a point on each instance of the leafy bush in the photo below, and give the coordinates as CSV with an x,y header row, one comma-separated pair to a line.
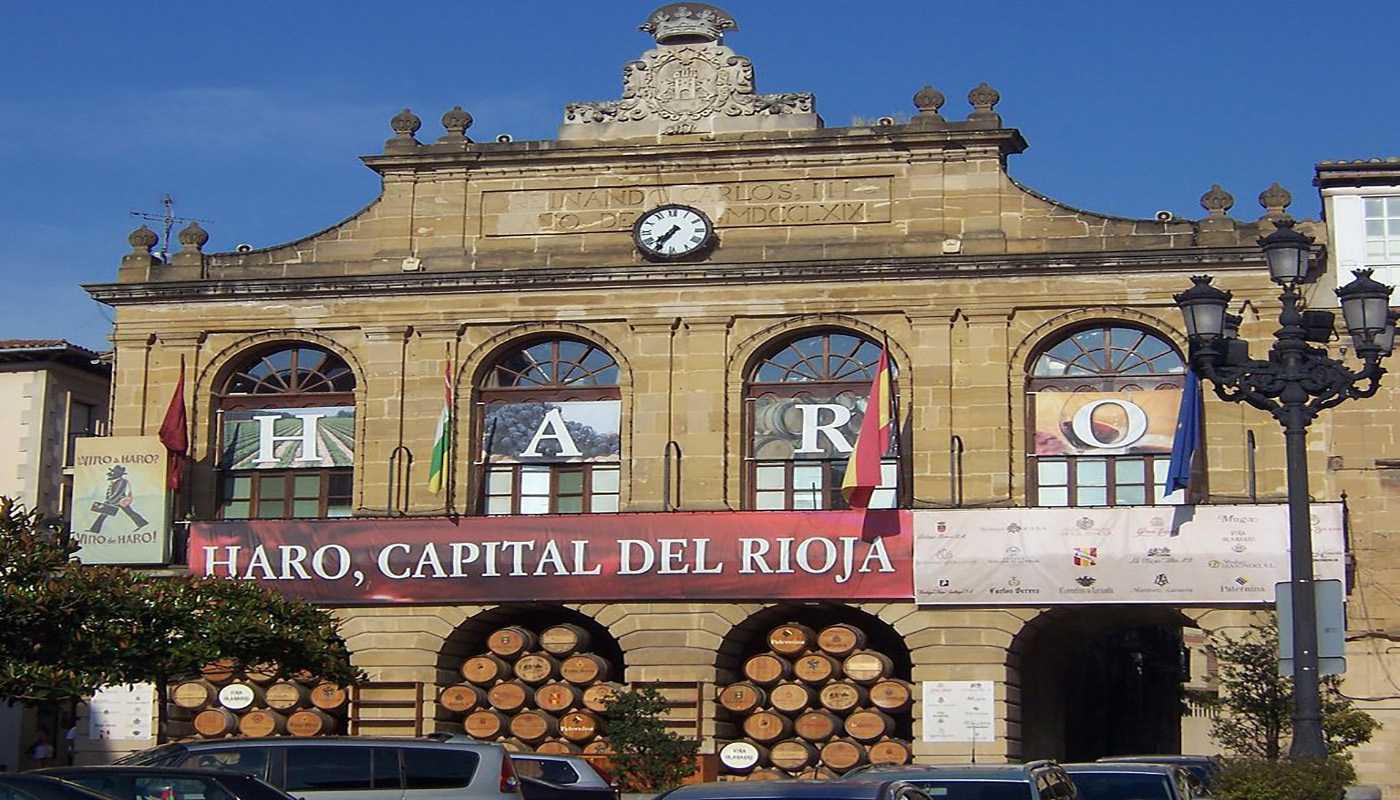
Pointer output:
x,y
1286,779
645,756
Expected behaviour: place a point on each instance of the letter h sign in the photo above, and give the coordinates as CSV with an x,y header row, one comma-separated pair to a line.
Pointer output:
x,y
268,438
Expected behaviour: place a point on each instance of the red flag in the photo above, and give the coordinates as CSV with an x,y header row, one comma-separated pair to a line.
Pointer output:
x,y
174,433
863,467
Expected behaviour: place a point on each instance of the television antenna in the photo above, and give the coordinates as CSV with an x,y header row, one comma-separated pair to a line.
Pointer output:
x,y
168,219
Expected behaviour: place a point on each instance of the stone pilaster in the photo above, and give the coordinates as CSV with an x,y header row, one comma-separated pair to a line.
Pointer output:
x,y
652,358
700,416
383,415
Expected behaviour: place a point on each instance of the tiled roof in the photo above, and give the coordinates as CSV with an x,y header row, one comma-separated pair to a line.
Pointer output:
x,y
26,350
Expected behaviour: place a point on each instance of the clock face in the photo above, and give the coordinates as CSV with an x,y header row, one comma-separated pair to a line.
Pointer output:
x,y
672,231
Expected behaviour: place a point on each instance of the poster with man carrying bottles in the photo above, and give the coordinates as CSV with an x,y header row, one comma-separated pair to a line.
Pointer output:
x,y
120,512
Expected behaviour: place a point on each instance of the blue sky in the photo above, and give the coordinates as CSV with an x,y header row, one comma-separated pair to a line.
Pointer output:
x,y
253,114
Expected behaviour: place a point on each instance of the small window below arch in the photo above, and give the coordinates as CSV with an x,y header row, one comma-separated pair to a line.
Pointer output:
x,y
287,435
550,430
1102,406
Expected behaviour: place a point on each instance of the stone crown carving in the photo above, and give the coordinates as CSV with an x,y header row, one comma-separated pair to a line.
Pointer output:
x,y
688,83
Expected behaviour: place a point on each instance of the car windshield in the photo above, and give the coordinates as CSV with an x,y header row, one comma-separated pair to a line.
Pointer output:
x,y
1121,786
974,789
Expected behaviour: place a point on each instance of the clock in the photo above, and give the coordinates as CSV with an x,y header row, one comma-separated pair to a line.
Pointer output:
x,y
671,232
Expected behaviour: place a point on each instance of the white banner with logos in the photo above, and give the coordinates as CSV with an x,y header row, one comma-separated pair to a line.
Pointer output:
x,y
1180,555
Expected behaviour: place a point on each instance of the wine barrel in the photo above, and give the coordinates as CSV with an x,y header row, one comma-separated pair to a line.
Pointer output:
x,y
817,726
741,698
767,669
791,639
212,722
891,694
241,696
486,724
563,640
868,724
485,669
512,642
816,668
867,666
585,668
286,696
840,640
513,745
462,698
792,754
193,695
599,695
218,672
262,673
509,696
843,696
329,696
310,722
556,697
536,668
891,751
767,726
558,747
579,726
843,754
817,774
766,774
791,698
534,726
598,747
261,722
742,756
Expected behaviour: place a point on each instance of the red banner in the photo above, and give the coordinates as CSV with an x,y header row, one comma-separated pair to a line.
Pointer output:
x,y
745,555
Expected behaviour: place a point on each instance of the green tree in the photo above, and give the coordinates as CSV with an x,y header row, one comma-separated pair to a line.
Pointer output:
x,y
72,628
1255,704
646,757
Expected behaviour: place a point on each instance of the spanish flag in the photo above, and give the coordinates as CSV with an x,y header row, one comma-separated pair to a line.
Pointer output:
x,y
863,467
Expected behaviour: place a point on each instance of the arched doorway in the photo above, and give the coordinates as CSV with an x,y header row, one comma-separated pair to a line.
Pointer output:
x,y
1101,681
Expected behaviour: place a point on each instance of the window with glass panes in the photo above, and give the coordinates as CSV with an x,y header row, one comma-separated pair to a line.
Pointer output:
x,y
1382,216
819,370
288,376
1103,359
561,375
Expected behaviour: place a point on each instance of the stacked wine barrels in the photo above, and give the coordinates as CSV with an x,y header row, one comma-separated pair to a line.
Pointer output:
x,y
816,704
540,691
222,702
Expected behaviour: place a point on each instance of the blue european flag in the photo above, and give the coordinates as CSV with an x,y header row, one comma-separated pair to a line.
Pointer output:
x,y
1188,433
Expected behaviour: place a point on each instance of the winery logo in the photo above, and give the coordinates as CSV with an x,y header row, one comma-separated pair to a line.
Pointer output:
x,y
1084,523
945,554
1238,547
1242,580
941,526
1013,552
1014,581
1213,564
1161,579
944,583
1086,580
1086,556
1157,522
1159,552
1013,528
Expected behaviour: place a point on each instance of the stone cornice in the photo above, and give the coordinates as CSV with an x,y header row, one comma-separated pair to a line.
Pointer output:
x,y
540,156
616,276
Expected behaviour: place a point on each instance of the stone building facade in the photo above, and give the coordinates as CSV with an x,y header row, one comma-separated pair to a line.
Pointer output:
x,y
552,273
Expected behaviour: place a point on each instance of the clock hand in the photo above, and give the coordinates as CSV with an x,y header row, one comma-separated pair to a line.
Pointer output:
x,y
660,240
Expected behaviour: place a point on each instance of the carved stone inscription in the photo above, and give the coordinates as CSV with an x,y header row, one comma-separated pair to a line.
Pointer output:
x,y
731,205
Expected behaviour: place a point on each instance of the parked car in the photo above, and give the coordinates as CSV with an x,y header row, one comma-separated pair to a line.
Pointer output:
x,y
43,787
850,789
1203,767
165,783
1035,780
355,767
546,776
1116,780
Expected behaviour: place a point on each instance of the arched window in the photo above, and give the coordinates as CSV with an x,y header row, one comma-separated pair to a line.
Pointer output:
x,y
287,435
550,430
804,401
1103,405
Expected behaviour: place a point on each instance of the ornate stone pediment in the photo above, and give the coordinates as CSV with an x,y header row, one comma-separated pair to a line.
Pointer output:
x,y
689,83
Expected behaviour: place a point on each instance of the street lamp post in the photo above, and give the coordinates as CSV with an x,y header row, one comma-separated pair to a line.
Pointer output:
x,y
1294,384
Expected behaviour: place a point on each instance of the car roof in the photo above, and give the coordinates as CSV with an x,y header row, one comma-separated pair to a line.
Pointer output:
x,y
1009,772
455,740
856,788
1133,767
1163,759
193,772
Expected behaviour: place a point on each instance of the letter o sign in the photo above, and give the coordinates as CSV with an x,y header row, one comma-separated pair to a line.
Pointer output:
x,y
1083,424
